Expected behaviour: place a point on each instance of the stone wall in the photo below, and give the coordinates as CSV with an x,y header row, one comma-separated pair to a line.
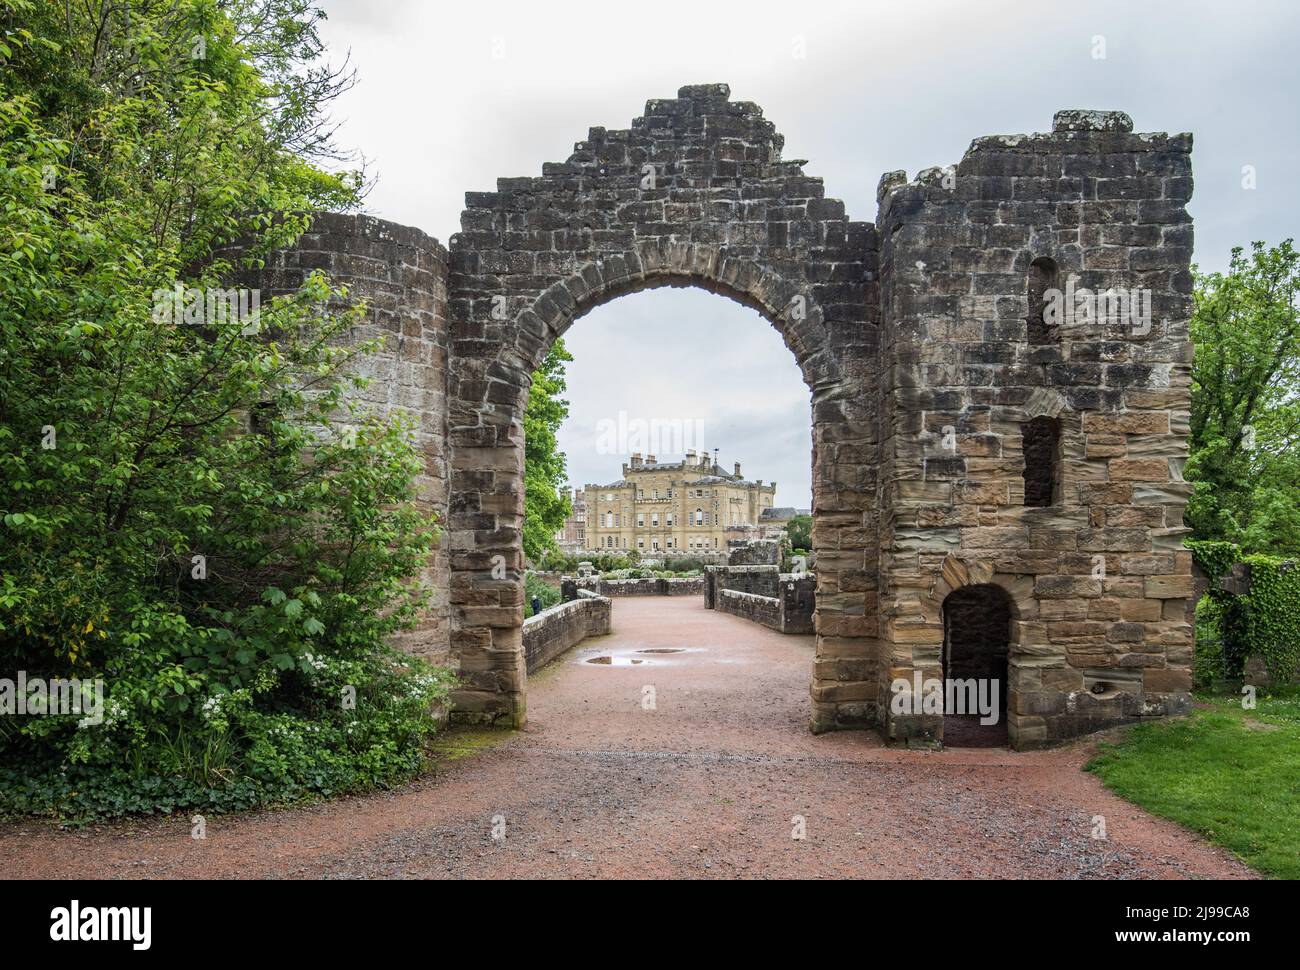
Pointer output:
x,y
681,586
757,552
790,611
798,603
1098,578
764,610
787,601
763,580
401,274
562,627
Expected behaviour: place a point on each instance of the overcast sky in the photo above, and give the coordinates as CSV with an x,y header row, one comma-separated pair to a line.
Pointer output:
x,y
454,95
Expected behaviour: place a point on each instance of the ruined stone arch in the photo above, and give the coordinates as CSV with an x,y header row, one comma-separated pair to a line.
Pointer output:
x,y
695,193
914,324
710,267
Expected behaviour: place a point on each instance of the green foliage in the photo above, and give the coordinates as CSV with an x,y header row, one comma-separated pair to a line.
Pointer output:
x,y
1245,419
559,562
535,586
1225,772
799,531
1265,621
545,506
130,444
1213,556
642,573
1272,620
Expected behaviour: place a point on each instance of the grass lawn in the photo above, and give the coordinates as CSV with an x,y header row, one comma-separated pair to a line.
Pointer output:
x,y
1232,775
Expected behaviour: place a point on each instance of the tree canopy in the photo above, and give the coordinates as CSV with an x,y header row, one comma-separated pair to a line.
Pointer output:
x,y
546,504
190,511
1245,418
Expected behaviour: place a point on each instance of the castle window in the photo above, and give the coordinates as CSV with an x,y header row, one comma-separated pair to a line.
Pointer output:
x,y
1041,442
699,517
1044,275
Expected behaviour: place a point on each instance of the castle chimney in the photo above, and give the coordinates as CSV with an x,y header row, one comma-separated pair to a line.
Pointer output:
x,y
737,469
650,459
636,459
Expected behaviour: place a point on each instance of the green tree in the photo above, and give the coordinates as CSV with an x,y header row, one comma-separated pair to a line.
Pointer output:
x,y
799,529
546,506
181,515
1245,418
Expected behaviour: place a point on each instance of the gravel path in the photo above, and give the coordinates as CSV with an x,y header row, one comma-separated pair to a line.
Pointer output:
x,y
706,784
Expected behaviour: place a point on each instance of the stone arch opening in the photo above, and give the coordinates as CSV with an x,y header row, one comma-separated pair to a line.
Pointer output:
x,y
663,381
748,285
977,631
695,193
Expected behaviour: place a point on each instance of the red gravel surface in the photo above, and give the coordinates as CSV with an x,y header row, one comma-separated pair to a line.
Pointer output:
x,y
712,779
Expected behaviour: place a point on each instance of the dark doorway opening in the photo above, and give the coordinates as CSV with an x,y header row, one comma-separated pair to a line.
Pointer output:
x,y
976,643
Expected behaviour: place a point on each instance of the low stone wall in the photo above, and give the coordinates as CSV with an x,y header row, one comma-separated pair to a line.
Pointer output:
x,y
759,552
789,609
761,580
553,631
798,602
759,609
685,586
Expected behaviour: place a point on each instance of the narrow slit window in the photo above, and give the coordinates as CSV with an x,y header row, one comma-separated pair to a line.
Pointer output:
x,y
1044,277
1041,439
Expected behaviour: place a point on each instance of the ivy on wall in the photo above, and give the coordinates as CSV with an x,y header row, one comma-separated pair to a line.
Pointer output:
x,y
1263,621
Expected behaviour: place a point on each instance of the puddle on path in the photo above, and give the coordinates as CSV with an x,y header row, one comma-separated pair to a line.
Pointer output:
x,y
608,661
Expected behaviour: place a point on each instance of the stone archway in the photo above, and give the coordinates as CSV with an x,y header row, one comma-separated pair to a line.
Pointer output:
x,y
1028,657
694,193
912,336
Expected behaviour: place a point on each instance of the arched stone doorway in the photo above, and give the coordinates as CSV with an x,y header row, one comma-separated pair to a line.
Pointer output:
x,y
976,650
694,194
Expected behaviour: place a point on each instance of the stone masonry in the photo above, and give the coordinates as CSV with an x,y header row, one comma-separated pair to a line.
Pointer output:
x,y
998,369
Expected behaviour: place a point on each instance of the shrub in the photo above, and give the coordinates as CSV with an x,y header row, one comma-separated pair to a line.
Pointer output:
x,y
1264,621
182,513
535,586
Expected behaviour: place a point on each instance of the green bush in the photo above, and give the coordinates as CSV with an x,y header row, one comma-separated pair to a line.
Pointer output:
x,y
535,586
182,514
1263,622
